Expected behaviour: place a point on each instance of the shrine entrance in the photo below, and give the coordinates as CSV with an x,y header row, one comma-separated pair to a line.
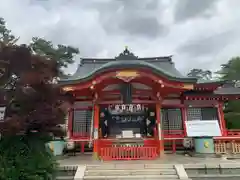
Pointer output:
x,y
127,115
128,131
136,119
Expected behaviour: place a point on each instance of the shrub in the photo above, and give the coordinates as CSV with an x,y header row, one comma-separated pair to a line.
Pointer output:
x,y
26,158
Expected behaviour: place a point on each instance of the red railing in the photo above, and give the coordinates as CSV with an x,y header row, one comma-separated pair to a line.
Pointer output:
x,y
173,134
80,136
233,132
128,153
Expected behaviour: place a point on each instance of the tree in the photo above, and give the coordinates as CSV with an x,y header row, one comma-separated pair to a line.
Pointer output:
x,y
33,101
200,74
62,54
34,106
230,72
6,36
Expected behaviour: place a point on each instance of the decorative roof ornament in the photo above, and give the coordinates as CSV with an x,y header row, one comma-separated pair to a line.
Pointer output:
x,y
126,55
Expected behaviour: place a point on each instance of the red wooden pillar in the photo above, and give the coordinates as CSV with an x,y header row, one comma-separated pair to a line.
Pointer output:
x,y
184,119
82,147
70,122
221,119
95,131
159,129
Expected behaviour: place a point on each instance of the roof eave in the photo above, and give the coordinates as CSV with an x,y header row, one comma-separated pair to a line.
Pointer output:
x,y
122,66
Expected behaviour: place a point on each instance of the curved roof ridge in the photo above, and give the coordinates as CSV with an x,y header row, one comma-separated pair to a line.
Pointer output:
x,y
157,58
106,60
93,60
83,73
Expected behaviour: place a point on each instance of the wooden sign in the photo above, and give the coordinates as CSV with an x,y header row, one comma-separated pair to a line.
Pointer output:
x,y
127,76
126,108
68,88
203,128
127,119
188,86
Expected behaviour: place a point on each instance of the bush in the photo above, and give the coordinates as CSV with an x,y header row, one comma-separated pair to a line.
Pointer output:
x,y
26,158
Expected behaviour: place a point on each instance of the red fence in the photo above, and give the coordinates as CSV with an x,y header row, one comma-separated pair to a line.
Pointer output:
x,y
128,153
173,133
80,136
233,132
145,150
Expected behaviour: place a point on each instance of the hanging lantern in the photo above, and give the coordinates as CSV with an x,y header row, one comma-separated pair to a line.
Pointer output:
x,y
130,108
117,108
139,107
123,107
2,113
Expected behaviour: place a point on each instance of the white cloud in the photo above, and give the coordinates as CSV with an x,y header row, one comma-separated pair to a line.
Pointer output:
x,y
103,28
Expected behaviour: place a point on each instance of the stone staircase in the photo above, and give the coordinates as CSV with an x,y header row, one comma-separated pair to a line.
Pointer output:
x,y
130,171
66,173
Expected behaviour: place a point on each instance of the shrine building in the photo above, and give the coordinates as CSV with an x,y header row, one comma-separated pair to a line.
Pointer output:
x,y
129,107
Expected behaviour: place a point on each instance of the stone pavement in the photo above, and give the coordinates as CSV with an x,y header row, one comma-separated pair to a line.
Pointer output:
x,y
154,169
167,159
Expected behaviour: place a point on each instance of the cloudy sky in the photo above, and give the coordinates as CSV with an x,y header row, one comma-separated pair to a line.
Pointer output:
x,y
198,33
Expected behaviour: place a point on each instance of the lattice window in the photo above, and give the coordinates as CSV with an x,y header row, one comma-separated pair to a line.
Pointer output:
x,y
208,113
172,119
194,114
82,121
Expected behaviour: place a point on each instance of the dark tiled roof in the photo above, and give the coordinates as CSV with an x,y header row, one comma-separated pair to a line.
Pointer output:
x,y
214,81
227,91
158,65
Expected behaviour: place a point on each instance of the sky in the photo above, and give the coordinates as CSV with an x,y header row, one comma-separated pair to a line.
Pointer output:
x,y
198,33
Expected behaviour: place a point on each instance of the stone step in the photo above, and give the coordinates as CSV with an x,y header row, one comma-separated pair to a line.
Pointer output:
x,y
66,172
105,172
130,166
139,177
65,178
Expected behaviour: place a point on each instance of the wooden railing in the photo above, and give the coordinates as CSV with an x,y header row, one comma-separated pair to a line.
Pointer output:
x,y
233,132
80,136
173,134
128,153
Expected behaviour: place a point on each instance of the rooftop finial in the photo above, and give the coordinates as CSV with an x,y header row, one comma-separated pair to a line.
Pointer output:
x,y
126,55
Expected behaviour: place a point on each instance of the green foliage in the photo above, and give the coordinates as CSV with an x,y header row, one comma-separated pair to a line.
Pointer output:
x,y
6,36
232,114
26,158
231,70
231,73
62,54
200,74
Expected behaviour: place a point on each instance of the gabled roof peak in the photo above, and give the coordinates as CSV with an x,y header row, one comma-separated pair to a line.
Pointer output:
x,y
126,55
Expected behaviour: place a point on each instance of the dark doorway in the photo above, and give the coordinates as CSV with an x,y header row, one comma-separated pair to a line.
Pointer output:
x,y
139,122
